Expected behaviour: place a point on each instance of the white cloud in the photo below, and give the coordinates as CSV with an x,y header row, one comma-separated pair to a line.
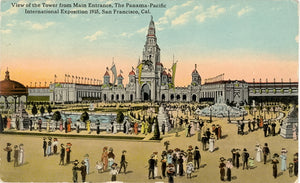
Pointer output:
x,y
211,12
5,31
125,34
12,23
244,11
182,19
94,36
142,30
171,12
38,26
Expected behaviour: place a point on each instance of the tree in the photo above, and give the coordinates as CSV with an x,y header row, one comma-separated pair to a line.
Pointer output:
x,y
34,110
84,117
56,117
49,109
120,117
156,135
42,110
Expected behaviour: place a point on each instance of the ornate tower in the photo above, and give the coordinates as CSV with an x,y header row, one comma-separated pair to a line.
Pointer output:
x,y
148,71
106,78
151,49
196,79
120,80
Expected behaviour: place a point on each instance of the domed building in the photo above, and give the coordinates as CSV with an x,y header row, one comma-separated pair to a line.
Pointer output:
x,y
15,90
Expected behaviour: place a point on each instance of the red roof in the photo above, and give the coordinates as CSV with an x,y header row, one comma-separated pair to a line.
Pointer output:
x,y
120,76
164,73
169,75
106,74
195,71
9,87
131,73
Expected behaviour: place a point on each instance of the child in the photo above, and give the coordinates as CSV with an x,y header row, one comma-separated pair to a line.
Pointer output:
x,y
99,166
291,172
251,163
189,169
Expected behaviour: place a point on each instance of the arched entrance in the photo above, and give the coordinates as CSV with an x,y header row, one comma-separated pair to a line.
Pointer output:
x,y
163,97
194,98
146,93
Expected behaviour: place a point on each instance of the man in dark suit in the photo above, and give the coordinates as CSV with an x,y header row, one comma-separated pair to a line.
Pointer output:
x,y
151,163
245,156
44,145
62,154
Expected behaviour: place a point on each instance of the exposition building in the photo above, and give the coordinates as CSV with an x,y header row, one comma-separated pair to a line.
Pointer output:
x,y
151,81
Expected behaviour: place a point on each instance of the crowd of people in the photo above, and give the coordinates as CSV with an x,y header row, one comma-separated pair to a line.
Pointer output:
x,y
18,154
177,162
248,162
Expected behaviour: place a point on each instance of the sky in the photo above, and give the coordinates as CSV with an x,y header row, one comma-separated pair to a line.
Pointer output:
x,y
243,39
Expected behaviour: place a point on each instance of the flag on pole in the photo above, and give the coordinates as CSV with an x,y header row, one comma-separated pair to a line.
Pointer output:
x,y
173,73
140,67
114,71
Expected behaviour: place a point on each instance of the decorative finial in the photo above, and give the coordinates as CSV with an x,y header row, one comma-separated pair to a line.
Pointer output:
x,y
7,74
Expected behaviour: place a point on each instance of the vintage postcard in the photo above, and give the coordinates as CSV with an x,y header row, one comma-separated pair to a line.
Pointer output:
x,y
149,91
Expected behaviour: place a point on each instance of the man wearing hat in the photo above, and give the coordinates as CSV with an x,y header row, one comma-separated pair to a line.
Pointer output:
x,y
245,156
8,149
295,164
44,146
197,157
74,170
123,162
151,163
83,170
170,173
222,168
266,152
275,162
62,154
16,156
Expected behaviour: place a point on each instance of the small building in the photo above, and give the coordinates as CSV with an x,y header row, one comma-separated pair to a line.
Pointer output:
x,y
13,92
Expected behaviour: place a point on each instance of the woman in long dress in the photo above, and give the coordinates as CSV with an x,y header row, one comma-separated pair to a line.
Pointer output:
x,y
115,127
143,127
8,125
258,153
61,125
111,157
104,158
211,143
295,132
283,159
229,166
21,154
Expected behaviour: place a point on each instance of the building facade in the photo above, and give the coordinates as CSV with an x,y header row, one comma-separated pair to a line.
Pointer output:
x,y
150,81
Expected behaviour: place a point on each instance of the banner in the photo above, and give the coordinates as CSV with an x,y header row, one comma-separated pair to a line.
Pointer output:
x,y
140,67
114,71
173,73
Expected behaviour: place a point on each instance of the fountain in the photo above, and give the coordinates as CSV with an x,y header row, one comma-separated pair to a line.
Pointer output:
x,y
163,118
221,110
